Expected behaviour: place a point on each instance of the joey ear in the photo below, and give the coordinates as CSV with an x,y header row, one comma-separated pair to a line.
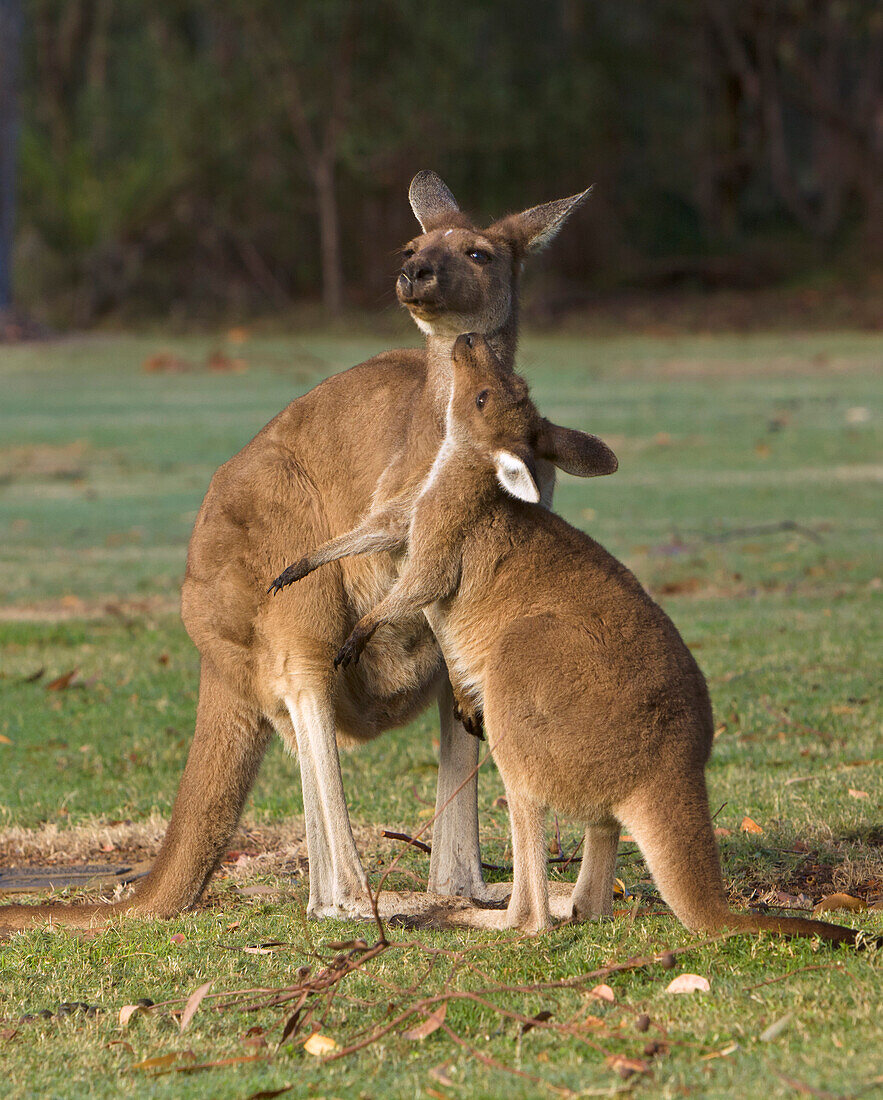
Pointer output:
x,y
431,200
576,452
516,477
533,229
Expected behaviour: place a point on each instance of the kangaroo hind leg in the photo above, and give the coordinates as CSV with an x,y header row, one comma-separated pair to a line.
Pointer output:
x,y
529,904
593,893
228,746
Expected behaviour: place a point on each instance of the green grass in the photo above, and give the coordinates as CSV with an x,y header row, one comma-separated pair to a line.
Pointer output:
x,y
724,443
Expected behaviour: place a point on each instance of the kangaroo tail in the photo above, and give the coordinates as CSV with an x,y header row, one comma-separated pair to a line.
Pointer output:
x,y
227,749
802,926
672,827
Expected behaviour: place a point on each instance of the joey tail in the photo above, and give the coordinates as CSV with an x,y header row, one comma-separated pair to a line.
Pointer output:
x,y
673,829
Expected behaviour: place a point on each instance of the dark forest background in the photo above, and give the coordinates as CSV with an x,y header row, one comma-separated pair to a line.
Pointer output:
x,y
211,157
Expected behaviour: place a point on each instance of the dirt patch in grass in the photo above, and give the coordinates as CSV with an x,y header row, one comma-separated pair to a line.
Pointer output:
x,y
802,883
102,607
254,849
63,461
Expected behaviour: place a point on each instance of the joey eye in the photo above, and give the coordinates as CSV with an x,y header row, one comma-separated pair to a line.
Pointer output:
x,y
481,400
479,256
407,253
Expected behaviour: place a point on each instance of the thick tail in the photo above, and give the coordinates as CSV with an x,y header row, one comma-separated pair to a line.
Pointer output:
x,y
228,746
802,926
672,827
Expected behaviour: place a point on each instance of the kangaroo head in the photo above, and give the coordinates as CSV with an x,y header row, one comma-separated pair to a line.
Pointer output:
x,y
458,278
491,411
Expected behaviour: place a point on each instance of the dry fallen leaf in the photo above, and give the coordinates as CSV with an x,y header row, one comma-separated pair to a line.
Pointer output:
x,y
858,794
721,831
160,1062
440,1074
4,740
178,937
121,1043
193,1003
432,1023
730,1048
319,1044
603,993
193,1066
838,901
688,983
749,826
165,362
775,1029
128,1011
218,361
61,682
626,1067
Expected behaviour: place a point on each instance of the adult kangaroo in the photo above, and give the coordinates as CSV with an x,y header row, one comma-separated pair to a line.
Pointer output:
x,y
313,472
593,704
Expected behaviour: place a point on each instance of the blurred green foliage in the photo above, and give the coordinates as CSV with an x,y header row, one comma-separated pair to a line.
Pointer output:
x,y
176,155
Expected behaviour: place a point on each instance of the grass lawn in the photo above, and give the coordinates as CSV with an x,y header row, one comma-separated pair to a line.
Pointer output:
x,y
747,501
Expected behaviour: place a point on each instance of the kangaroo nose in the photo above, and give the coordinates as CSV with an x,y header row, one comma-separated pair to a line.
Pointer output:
x,y
419,272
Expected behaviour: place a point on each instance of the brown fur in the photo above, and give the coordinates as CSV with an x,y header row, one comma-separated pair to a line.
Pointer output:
x,y
312,472
592,702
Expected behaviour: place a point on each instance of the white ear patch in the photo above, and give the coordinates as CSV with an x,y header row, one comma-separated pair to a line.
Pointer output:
x,y
515,477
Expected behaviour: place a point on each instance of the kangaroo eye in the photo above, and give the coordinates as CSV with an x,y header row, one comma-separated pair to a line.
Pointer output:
x,y
479,256
481,400
407,253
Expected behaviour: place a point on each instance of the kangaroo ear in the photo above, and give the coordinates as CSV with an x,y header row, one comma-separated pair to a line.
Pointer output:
x,y
533,229
576,452
431,200
516,477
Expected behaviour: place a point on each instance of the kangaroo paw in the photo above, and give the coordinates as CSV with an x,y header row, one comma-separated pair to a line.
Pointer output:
x,y
469,716
351,650
293,573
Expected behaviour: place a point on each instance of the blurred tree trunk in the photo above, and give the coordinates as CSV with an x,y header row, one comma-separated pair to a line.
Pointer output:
x,y
329,233
10,49
821,64
319,141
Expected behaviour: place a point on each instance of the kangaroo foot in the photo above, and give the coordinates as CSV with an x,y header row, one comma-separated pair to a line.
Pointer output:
x,y
351,649
353,904
293,573
469,716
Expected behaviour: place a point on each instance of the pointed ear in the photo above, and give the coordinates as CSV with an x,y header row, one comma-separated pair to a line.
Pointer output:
x,y
533,229
576,452
516,477
431,200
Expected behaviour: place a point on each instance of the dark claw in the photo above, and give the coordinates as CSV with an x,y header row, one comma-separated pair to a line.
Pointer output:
x,y
348,653
472,721
351,650
475,725
293,573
